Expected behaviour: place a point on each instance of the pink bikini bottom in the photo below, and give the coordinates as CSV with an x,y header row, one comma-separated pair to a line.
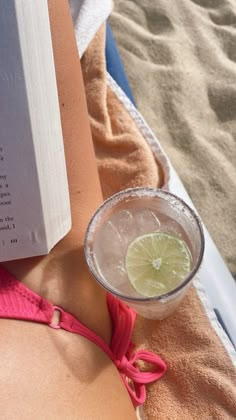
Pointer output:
x,y
19,302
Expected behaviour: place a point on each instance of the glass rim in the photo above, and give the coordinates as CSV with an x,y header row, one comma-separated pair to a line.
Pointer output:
x,y
110,203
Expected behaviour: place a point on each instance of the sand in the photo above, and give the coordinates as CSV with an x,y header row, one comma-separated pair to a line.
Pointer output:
x,y
180,58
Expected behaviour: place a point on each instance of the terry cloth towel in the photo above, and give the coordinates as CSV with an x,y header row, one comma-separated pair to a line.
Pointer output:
x,y
201,379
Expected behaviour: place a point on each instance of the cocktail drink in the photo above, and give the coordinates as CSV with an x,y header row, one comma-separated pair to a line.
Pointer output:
x,y
145,246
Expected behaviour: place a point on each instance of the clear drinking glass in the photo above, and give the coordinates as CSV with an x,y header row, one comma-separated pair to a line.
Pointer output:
x,y
131,214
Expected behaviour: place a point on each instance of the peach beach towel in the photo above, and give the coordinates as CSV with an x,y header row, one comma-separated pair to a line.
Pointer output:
x,y
201,379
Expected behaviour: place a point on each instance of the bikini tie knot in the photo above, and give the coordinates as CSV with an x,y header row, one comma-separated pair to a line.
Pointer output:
x,y
122,364
135,379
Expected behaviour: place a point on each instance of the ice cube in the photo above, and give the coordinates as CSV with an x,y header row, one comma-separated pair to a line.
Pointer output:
x,y
146,221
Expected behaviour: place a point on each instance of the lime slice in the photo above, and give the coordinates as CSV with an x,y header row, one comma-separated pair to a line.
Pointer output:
x,y
157,262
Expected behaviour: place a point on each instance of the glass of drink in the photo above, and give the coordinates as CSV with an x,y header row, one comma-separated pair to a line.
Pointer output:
x,y
145,246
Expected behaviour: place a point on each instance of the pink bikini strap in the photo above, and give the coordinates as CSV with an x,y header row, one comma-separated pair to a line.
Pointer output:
x,y
19,302
124,356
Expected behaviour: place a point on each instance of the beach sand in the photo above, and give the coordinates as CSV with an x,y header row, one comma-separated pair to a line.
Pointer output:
x,y
180,59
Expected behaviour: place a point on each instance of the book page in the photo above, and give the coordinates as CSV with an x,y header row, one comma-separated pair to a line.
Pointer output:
x,y
34,197
7,219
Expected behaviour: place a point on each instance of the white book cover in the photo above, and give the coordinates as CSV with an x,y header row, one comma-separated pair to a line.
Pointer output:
x,y
34,196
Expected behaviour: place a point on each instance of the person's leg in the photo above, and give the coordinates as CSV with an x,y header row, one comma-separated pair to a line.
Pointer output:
x,y
52,373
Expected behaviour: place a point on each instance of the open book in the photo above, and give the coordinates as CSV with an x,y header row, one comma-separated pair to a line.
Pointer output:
x,y
34,197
